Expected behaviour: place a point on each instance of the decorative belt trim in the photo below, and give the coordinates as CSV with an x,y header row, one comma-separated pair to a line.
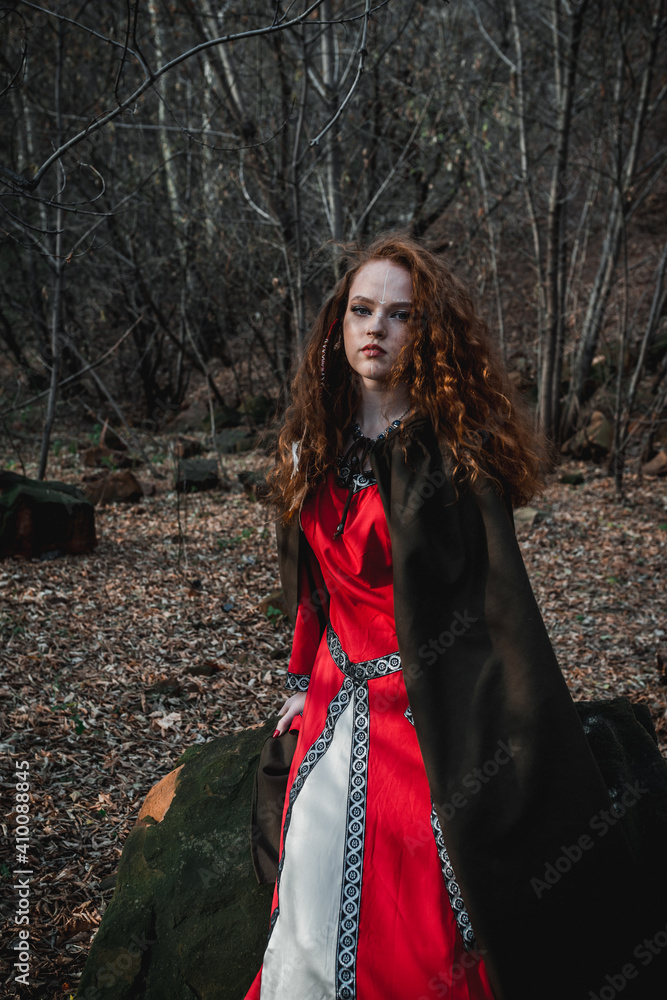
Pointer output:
x,y
366,670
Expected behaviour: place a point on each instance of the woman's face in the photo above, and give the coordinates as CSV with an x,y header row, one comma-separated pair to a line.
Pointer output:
x,y
375,325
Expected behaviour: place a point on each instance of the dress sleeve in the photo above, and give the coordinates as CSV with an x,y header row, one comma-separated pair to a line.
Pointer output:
x,y
300,571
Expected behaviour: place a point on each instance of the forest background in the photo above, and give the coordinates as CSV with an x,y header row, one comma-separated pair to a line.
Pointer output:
x,y
173,179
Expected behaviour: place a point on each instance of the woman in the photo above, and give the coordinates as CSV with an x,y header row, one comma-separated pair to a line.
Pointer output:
x,y
441,764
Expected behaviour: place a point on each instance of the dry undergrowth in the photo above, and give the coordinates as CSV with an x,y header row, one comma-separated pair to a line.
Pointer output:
x,y
112,664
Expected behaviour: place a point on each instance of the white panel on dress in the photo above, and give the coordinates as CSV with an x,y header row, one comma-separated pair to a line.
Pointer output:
x,y
300,960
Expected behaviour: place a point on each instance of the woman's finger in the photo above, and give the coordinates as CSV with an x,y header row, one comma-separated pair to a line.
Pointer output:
x,y
282,726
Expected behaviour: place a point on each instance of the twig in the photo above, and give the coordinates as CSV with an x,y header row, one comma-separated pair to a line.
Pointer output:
x,y
395,167
29,184
103,389
363,52
76,375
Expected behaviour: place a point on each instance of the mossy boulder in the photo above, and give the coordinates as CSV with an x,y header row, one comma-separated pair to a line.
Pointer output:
x,y
38,517
188,918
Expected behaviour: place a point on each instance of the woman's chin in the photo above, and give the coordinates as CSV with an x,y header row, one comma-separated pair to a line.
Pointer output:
x,y
374,369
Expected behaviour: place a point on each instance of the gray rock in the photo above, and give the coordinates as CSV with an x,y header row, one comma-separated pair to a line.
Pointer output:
x,y
236,439
593,440
197,474
526,517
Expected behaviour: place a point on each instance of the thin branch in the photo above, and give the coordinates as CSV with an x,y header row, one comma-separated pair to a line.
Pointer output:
x,y
363,52
19,71
26,225
132,444
487,36
150,78
395,167
123,58
657,306
248,197
22,184
76,375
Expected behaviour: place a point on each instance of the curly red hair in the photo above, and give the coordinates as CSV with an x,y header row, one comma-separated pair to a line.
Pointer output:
x,y
454,374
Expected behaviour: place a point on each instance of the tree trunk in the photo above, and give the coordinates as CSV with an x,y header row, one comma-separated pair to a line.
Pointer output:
x,y
552,349
58,276
525,173
333,162
599,298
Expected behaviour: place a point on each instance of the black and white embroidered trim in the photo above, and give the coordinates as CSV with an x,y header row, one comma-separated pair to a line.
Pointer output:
x,y
316,752
452,886
354,691
348,925
297,682
366,670
360,479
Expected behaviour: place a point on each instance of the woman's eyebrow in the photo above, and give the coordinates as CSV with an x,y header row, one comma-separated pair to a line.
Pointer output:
x,y
363,298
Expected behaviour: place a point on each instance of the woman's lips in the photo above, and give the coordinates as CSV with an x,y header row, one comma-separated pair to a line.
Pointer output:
x,y
372,351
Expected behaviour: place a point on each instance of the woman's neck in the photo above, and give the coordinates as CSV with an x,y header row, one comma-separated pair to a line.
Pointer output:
x,y
377,409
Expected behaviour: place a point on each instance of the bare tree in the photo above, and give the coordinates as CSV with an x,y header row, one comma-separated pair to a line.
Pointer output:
x,y
625,200
207,152
585,180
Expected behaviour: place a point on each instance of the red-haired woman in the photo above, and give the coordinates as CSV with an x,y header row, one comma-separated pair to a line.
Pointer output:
x,y
440,763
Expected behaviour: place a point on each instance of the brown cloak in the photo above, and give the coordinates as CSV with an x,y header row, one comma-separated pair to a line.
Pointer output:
x,y
554,882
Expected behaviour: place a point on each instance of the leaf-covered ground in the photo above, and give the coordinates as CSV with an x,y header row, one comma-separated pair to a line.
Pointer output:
x,y
112,664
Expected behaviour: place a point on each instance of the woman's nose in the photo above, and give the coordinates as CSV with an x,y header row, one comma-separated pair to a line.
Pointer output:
x,y
376,326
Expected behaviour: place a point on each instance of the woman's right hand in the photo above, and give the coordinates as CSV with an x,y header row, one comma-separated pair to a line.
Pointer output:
x,y
292,707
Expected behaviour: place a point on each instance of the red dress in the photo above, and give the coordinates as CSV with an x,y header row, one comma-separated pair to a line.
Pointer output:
x,y
366,905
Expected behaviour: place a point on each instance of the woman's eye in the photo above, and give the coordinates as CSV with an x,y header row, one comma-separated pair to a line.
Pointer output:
x,y
361,310
403,316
